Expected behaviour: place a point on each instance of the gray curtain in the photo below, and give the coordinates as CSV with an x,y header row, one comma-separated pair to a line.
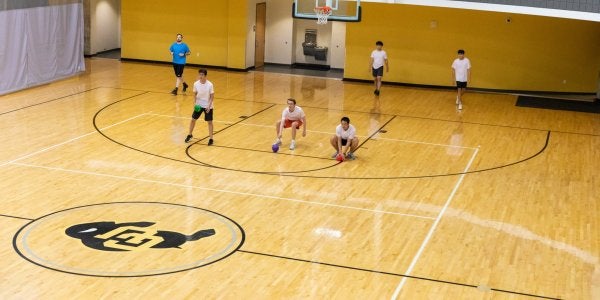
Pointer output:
x,y
40,44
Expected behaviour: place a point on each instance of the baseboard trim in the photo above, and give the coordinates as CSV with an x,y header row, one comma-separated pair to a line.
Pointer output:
x,y
187,65
317,67
101,52
445,87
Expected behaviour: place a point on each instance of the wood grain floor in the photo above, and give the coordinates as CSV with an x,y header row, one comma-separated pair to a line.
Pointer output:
x,y
494,202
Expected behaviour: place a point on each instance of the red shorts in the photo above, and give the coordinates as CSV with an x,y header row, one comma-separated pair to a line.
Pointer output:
x,y
288,123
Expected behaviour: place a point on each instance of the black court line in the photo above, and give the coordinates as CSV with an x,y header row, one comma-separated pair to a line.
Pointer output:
x,y
15,217
265,151
231,125
396,115
436,175
374,133
392,274
139,150
287,173
16,248
187,152
295,174
48,101
126,146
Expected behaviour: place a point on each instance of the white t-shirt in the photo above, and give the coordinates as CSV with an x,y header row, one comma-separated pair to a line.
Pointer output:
x,y
460,67
345,134
203,90
295,115
379,58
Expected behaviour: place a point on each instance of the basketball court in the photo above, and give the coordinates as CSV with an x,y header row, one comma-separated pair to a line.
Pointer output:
x,y
103,199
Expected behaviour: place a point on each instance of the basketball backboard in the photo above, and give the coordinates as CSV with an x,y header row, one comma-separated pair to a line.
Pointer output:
x,y
341,10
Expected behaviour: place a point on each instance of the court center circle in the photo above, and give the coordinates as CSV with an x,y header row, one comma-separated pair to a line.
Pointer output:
x,y
128,239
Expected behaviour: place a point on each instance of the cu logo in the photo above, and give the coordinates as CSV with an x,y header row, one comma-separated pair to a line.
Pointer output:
x,y
128,239
111,236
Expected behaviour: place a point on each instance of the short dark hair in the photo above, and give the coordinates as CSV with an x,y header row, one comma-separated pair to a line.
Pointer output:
x,y
461,51
180,34
379,43
292,99
203,71
345,119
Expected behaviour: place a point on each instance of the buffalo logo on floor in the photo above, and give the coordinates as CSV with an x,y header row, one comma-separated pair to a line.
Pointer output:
x,y
111,236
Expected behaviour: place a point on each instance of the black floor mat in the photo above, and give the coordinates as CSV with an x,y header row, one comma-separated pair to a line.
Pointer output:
x,y
559,104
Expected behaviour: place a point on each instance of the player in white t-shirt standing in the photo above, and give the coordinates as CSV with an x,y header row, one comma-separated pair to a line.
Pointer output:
x,y
461,72
378,60
344,140
292,117
204,103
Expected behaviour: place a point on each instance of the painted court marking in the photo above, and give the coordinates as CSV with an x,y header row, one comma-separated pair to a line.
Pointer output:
x,y
433,228
219,190
324,132
67,141
15,162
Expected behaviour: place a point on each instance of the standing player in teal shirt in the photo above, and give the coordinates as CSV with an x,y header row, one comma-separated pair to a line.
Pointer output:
x,y
179,51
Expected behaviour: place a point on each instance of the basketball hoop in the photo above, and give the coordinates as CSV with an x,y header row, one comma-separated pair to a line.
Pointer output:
x,y
322,12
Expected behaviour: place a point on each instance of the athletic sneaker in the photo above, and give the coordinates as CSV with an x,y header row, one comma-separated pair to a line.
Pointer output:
x,y
334,155
293,145
174,92
278,142
185,86
350,156
377,92
210,142
459,105
188,138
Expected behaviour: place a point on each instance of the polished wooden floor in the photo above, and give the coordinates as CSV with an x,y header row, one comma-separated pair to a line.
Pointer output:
x,y
494,202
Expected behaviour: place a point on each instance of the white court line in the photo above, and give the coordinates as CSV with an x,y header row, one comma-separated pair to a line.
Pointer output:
x,y
66,142
220,190
433,228
426,143
316,131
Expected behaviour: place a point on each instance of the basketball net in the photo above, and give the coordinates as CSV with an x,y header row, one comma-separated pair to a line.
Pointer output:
x,y
322,12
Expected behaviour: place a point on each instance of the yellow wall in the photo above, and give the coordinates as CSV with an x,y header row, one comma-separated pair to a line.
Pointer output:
x,y
213,29
236,38
529,53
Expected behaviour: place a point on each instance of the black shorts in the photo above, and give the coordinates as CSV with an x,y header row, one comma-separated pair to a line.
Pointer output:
x,y
378,72
461,84
344,142
208,116
178,68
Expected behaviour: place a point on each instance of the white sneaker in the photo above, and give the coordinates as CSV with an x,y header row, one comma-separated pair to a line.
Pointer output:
x,y
278,142
459,105
293,145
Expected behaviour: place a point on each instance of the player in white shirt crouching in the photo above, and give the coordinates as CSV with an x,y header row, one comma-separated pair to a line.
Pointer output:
x,y
292,117
344,141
